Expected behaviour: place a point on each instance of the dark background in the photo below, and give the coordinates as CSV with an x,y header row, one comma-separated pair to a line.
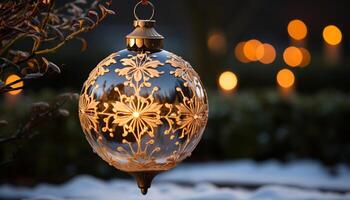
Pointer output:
x,y
256,121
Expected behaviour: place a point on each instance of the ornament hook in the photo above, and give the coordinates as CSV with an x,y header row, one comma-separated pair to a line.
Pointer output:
x,y
147,3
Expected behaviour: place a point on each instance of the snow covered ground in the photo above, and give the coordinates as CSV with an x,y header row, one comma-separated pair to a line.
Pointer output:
x,y
308,174
304,174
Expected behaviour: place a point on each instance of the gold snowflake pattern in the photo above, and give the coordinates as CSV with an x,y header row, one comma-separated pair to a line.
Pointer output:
x,y
193,115
109,60
183,69
139,67
137,114
88,113
100,69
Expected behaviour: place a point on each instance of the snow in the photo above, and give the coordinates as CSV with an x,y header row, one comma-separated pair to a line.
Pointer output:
x,y
307,174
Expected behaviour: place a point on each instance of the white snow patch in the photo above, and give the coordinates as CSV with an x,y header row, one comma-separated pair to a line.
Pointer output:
x,y
309,174
303,173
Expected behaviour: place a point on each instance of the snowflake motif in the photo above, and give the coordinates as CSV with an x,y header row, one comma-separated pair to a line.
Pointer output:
x,y
109,60
137,115
88,113
100,69
193,115
183,69
139,67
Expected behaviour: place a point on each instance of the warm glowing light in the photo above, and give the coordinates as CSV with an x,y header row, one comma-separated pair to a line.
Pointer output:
x,y
228,81
306,57
46,1
217,42
332,35
297,29
240,54
136,114
266,53
12,78
293,56
250,48
285,78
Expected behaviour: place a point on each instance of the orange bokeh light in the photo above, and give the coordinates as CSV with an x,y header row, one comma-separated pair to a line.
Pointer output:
x,y
217,42
306,57
228,81
332,35
240,54
297,29
285,78
12,78
250,48
293,56
266,53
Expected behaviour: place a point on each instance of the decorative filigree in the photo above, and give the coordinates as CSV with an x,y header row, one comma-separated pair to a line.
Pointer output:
x,y
139,67
138,118
137,114
100,70
108,61
183,69
88,113
192,115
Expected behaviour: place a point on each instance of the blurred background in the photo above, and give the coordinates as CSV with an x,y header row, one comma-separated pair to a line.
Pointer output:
x,y
276,72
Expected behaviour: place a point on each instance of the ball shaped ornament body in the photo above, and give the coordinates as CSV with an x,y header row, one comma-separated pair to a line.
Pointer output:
x,y
143,111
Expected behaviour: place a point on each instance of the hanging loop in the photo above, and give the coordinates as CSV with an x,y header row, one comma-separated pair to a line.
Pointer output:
x,y
142,2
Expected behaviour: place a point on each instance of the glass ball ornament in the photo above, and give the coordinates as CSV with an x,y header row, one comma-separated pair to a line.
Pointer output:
x,y
143,109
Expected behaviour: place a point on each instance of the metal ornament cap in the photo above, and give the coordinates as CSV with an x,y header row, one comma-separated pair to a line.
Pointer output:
x,y
144,37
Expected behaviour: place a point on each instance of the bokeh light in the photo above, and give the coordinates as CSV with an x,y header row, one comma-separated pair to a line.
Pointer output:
x,y
293,56
332,35
12,78
285,78
250,48
297,29
228,81
240,54
306,57
217,42
266,53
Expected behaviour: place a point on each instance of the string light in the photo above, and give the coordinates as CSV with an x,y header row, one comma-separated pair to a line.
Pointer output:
x,y
297,29
217,42
332,35
285,78
250,48
293,56
12,78
240,54
306,57
266,53
228,81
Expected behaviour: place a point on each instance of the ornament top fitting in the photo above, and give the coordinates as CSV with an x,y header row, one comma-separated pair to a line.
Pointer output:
x,y
144,37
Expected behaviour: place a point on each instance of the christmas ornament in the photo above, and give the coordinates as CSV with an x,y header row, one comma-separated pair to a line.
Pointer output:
x,y
143,109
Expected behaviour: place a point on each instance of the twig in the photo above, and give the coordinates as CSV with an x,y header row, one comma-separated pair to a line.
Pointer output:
x,y
25,132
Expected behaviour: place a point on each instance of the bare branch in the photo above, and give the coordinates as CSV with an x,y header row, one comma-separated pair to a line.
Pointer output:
x,y
41,112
